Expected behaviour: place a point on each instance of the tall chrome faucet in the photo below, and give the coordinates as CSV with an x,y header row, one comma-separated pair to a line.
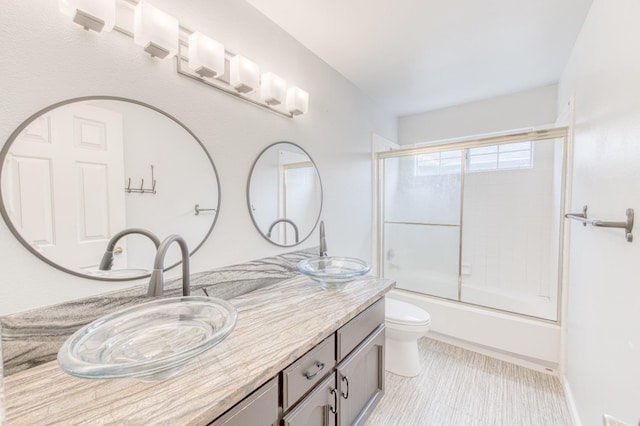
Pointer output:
x,y
156,283
323,241
107,259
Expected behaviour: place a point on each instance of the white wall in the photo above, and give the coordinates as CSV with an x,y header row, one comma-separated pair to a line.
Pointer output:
x,y
519,110
46,58
603,317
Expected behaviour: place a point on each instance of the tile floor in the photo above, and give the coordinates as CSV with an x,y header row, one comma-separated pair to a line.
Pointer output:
x,y
460,387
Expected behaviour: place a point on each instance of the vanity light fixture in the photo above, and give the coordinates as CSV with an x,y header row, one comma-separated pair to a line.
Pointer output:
x,y
156,31
244,74
198,57
206,55
273,89
297,101
96,15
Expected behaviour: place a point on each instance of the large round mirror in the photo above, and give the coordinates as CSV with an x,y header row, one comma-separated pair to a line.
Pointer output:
x,y
284,194
78,176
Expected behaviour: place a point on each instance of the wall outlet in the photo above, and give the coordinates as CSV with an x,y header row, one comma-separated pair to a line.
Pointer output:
x,y
608,420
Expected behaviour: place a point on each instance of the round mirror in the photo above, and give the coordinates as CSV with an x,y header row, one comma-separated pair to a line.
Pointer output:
x,y
284,194
90,185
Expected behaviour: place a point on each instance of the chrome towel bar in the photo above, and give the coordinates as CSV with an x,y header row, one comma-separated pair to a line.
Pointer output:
x,y
627,225
197,209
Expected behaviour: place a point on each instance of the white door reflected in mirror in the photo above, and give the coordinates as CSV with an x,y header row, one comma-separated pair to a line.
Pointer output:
x,y
62,182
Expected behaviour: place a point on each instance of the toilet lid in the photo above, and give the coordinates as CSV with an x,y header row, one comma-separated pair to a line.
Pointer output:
x,y
405,313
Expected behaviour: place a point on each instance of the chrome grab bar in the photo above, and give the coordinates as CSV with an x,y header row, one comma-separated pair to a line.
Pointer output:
x,y
627,225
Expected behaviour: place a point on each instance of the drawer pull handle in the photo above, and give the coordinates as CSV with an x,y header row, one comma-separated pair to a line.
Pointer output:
x,y
320,366
346,395
333,407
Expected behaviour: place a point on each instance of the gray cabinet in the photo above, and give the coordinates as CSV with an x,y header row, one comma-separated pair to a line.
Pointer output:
x,y
317,409
361,380
314,391
258,409
357,383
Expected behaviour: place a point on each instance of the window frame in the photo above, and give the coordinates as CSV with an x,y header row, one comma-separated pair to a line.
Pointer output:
x,y
468,168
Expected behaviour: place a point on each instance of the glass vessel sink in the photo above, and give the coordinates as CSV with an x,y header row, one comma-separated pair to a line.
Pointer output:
x,y
151,341
333,272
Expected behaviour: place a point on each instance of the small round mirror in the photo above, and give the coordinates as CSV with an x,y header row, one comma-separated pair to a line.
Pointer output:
x,y
284,194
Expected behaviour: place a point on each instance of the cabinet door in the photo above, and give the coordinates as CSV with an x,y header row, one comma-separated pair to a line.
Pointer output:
x,y
258,409
317,409
361,380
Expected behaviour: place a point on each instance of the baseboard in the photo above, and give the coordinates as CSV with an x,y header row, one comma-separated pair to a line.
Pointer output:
x,y
571,404
530,363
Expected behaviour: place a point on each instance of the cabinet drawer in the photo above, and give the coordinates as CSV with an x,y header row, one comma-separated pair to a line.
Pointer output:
x,y
258,409
356,330
317,409
300,377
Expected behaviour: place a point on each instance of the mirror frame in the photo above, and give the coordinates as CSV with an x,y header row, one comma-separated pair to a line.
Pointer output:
x,y
7,146
255,224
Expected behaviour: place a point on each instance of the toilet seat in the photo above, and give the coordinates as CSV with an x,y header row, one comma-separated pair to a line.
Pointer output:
x,y
405,314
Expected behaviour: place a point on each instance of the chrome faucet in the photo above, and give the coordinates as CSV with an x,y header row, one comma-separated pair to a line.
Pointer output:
x,y
323,241
156,283
277,221
107,259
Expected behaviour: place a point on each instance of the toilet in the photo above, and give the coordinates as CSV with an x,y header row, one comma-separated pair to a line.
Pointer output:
x,y
405,324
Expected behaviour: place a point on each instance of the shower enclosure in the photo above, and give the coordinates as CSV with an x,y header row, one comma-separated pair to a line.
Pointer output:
x,y
477,222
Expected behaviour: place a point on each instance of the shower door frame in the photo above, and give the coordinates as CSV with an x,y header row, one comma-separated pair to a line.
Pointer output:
x,y
462,145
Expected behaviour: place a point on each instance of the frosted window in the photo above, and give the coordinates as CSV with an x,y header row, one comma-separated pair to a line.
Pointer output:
x,y
500,157
437,163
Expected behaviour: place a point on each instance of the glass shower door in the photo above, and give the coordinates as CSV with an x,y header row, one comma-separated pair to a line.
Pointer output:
x,y
421,222
478,222
512,219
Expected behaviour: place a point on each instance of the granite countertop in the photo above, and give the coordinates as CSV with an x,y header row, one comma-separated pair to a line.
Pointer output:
x,y
33,337
277,323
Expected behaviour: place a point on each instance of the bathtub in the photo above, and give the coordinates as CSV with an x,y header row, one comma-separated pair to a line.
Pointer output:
x,y
530,342
445,285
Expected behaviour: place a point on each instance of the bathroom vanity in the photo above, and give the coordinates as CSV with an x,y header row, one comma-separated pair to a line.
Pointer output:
x,y
298,352
337,382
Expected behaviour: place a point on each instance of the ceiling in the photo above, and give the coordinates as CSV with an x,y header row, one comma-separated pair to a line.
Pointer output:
x,y
413,56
